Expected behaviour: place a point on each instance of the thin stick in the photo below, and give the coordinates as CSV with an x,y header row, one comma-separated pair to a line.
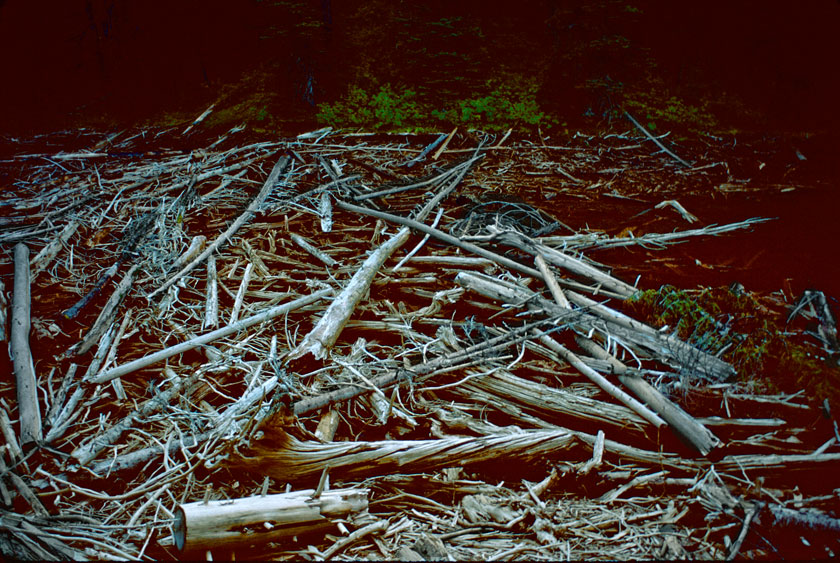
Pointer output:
x,y
211,314
655,140
140,363
240,294
278,169
445,237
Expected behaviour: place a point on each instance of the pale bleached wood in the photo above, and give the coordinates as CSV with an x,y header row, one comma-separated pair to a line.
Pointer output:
x,y
286,458
445,237
211,309
667,345
278,169
510,390
240,294
575,266
686,426
311,249
108,313
68,412
85,453
377,527
445,144
323,336
328,425
593,375
4,312
196,246
551,282
29,412
250,521
210,336
15,453
45,257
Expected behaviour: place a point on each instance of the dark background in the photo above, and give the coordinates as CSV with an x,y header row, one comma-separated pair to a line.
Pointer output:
x,y
762,65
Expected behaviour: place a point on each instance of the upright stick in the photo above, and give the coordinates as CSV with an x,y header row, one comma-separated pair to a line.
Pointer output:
x,y
27,396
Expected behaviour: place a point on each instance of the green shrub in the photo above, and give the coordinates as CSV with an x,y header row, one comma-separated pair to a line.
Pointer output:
x,y
509,103
385,109
673,111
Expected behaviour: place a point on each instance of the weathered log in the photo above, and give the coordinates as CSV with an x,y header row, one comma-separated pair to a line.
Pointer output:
x,y
686,426
27,391
322,337
288,459
573,265
246,522
602,382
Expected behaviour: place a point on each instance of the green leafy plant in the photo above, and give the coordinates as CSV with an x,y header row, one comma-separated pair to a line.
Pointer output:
x,y
673,111
743,332
386,109
508,103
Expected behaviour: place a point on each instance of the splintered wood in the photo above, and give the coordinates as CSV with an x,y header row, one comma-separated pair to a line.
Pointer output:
x,y
346,346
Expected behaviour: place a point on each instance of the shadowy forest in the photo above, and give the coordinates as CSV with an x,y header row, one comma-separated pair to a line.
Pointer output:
x,y
711,66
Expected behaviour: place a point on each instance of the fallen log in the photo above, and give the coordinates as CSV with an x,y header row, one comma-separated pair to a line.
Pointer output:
x,y
27,390
286,458
243,523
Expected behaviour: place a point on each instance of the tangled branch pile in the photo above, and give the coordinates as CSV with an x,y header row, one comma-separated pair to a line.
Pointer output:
x,y
412,363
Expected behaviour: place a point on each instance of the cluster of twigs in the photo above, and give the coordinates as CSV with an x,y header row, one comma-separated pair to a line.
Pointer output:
x,y
218,324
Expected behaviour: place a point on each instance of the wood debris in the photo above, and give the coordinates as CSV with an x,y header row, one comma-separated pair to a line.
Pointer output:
x,y
339,346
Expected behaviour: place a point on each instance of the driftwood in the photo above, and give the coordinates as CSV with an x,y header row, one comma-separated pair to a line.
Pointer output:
x,y
272,313
278,169
480,393
30,415
290,459
245,522
683,423
322,337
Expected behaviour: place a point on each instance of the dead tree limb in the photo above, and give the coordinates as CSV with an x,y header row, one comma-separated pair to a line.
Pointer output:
x,y
27,392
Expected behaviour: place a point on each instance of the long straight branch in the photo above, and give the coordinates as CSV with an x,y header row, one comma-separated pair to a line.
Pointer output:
x,y
278,169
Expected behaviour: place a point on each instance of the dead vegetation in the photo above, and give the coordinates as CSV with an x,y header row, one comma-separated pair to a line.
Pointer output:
x,y
362,347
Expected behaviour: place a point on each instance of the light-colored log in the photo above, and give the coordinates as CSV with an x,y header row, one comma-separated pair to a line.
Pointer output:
x,y
697,435
286,458
245,522
24,369
325,333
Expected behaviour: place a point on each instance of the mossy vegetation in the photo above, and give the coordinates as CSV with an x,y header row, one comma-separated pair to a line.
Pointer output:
x,y
744,332
661,111
508,102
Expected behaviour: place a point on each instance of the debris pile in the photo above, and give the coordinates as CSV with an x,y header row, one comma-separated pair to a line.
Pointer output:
x,y
353,346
